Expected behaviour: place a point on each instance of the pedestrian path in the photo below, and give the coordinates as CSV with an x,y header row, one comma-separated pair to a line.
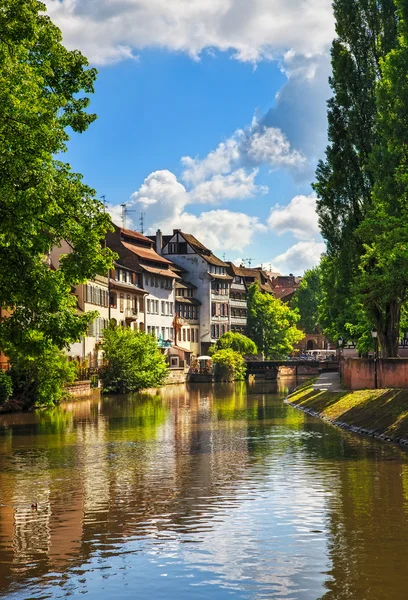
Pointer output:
x,y
329,382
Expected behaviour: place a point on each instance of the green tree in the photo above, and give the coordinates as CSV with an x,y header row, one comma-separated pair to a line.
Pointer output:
x,y
272,324
366,32
307,300
237,342
133,360
40,380
42,202
229,365
383,278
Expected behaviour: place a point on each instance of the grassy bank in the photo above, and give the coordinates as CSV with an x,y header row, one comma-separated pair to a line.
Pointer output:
x,y
380,413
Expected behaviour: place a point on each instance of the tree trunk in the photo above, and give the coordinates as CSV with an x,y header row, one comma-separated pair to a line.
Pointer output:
x,y
388,328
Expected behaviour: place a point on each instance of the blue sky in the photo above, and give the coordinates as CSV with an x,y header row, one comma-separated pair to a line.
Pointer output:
x,y
211,118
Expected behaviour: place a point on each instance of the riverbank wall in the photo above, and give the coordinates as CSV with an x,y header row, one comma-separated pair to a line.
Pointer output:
x,y
379,413
384,373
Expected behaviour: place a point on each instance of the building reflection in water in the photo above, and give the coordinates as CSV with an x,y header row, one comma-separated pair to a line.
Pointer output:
x,y
239,490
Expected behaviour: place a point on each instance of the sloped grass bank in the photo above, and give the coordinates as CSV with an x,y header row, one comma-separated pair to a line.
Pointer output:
x,y
379,413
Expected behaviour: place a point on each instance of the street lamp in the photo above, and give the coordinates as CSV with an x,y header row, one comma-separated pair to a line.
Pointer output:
x,y
374,335
340,345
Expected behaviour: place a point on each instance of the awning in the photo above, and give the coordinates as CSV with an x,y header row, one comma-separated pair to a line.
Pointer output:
x,y
183,300
161,272
222,277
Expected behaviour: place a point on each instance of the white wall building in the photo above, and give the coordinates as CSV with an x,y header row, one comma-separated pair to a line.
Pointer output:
x,y
209,274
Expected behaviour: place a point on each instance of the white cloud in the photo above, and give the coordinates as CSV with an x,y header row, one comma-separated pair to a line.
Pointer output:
x,y
111,30
162,196
220,230
237,185
218,161
269,145
299,217
298,258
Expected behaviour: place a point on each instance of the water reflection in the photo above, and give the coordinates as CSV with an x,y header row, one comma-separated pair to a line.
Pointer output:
x,y
198,492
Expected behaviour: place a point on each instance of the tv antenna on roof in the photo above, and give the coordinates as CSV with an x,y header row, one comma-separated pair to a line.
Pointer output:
x,y
249,261
126,211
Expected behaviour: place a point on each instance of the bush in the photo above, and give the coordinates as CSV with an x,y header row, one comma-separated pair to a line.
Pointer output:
x,y
229,365
134,361
6,387
237,342
41,379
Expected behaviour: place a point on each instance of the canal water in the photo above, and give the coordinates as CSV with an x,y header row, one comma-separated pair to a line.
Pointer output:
x,y
198,493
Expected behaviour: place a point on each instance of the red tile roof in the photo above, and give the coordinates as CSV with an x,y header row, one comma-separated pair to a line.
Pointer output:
x,y
146,253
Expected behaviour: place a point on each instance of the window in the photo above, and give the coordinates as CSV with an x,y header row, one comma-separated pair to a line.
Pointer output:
x,y
172,248
217,331
157,308
171,333
156,281
188,335
122,302
117,274
171,308
167,337
184,335
213,332
163,304
148,306
163,333
128,302
141,304
182,248
162,282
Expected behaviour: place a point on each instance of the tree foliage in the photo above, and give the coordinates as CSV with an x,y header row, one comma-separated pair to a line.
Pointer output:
x,y
272,324
307,300
229,365
366,33
384,266
133,360
236,341
42,202
40,380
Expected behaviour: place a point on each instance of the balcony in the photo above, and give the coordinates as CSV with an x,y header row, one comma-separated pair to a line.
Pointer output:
x,y
238,321
219,297
238,303
130,314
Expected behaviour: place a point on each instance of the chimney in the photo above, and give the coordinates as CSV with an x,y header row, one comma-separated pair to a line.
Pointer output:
x,y
159,241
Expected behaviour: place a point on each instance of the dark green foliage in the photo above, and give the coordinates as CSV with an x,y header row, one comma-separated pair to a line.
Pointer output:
x,y
307,300
6,387
42,202
366,33
237,342
40,380
272,324
134,361
229,365
384,266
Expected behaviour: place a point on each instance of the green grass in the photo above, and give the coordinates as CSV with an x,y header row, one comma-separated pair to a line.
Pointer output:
x,y
383,411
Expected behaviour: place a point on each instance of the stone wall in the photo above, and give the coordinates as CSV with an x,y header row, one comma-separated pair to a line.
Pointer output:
x,y
176,376
359,373
80,389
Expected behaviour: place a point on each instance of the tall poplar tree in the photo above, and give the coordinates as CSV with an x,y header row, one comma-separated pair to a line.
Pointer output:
x,y
366,32
383,281
43,92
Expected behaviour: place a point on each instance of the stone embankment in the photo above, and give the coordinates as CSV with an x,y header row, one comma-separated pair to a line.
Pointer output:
x,y
382,413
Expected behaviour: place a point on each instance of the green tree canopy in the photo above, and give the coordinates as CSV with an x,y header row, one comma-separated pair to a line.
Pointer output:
x,y
42,202
383,280
272,324
133,360
366,33
307,300
229,365
237,342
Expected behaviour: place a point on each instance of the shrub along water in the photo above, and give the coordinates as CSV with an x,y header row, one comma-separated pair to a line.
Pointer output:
x,y
134,361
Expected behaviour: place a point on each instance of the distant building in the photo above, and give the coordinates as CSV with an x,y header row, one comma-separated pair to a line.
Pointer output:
x,y
209,275
155,276
284,286
187,320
